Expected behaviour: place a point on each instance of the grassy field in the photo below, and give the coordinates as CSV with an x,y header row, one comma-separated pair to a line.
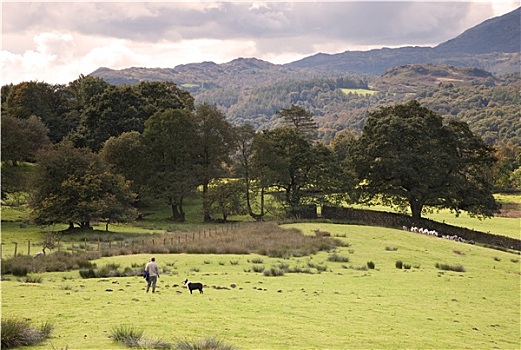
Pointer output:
x,y
345,306
359,91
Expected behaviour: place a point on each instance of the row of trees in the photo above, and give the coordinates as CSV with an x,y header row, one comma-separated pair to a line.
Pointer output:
x,y
132,143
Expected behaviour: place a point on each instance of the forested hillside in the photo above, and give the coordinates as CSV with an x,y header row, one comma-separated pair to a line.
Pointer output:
x,y
250,91
474,78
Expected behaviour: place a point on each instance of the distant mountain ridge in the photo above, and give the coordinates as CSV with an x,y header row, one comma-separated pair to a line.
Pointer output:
x,y
493,45
341,89
498,34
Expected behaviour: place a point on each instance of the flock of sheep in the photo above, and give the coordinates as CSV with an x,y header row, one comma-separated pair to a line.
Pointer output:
x,y
434,233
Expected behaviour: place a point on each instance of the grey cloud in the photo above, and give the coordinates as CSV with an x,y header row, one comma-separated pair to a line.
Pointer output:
x,y
361,23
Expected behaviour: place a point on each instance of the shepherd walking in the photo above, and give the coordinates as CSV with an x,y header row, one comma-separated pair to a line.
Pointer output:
x,y
153,274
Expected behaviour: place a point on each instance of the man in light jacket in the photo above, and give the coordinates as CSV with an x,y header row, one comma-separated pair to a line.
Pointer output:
x,y
153,274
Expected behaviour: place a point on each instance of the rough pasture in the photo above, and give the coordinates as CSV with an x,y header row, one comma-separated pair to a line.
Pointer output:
x,y
342,306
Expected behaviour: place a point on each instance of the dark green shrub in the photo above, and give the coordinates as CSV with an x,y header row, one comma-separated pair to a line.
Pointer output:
x,y
85,264
258,268
17,333
110,270
370,265
88,273
391,249
127,335
319,267
298,269
446,267
33,280
407,266
283,266
204,344
398,264
337,258
274,272
20,271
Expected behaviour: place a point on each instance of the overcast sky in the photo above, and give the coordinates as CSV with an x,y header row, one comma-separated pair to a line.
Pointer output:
x,y
55,42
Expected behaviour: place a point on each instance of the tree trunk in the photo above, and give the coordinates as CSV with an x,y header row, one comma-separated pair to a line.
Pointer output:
x,y
262,203
416,210
206,204
177,212
257,217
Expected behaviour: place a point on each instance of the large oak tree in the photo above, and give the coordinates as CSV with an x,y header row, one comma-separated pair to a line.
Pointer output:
x,y
407,156
73,186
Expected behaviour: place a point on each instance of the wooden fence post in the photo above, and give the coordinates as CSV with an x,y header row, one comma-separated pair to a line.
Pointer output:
x,y
99,245
28,247
15,248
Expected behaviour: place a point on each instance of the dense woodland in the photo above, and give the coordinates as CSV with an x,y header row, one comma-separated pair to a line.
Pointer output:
x,y
104,151
250,91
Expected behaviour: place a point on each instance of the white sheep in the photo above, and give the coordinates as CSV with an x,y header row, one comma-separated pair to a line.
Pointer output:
x,y
42,253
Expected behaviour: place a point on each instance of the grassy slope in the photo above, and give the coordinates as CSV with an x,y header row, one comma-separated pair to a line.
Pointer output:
x,y
341,308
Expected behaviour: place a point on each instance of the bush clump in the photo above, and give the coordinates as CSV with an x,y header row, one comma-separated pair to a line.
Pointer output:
x,y
274,271
258,268
398,264
210,343
338,258
370,265
447,267
17,332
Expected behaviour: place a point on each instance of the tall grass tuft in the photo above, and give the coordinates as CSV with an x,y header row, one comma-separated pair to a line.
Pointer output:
x,y
210,343
17,333
446,267
127,335
337,258
29,279
274,271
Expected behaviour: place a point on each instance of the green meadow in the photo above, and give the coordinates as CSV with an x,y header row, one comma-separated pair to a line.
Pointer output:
x,y
331,300
359,91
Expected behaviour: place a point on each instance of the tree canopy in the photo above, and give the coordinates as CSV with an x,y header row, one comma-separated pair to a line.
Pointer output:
x,y
73,186
408,156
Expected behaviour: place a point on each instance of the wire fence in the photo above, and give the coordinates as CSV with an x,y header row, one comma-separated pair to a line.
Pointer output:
x,y
29,247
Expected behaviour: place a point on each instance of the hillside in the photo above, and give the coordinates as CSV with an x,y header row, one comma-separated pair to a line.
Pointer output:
x,y
499,34
493,45
448,78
